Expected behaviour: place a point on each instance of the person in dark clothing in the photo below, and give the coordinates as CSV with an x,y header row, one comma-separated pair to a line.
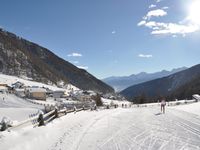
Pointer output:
x,y
163,104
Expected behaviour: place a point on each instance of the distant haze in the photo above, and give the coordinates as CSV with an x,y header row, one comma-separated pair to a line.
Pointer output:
x,y
121,83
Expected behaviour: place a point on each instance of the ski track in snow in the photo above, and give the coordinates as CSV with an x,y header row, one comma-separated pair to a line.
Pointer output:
x,y
140,129
124,129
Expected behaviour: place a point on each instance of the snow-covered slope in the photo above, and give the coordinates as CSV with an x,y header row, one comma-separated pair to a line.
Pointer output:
x,y
12,101
18,109
12,79
15,108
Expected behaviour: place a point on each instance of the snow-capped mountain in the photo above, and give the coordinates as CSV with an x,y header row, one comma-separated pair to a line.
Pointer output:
x,y
180,85
121,83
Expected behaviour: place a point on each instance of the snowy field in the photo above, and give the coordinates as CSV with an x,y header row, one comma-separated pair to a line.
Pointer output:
x,y
15,108
191,108
115,129
18,109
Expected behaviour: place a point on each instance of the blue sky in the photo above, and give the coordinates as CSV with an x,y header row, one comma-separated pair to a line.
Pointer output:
x,y
110,37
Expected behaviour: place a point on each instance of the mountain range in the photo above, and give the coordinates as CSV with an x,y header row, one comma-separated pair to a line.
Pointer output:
x,y
123,82
179,85
20,57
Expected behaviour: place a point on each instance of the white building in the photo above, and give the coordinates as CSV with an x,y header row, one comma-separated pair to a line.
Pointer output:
x,y
58,94
20,92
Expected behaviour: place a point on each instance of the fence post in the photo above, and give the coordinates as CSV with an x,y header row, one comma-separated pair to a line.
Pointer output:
x,y
41,120
56,112
4,126
95,107
65,110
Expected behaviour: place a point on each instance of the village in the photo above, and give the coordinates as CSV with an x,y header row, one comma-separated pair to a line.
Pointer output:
x,y
22,99
51,96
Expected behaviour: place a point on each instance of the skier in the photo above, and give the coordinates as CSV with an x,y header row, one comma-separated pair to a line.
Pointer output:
x,y
163,103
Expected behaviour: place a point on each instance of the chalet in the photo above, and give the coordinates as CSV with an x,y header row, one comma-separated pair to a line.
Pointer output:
x,y
20,92
36,93
3,88
58,94
2,84
83,97
17,85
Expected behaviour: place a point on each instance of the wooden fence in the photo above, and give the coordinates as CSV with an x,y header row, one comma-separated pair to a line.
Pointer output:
x,y
41,119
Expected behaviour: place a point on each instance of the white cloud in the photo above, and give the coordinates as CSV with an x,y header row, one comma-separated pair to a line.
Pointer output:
x,y
171,28
75,55
156,13
145,56
143,22
161,28
152,6
83,67
113,32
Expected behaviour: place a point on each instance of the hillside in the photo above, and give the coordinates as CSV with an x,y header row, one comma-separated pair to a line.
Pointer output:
x,y
181,85
123,82
187,90
22,58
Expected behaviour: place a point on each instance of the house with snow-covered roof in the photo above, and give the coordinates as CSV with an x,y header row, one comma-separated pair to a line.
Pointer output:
x,y
36,93
17,85
3,89
20,92
58,93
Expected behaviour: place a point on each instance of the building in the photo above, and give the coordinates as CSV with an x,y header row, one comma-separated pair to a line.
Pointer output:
x,y
83,97
36,93
58,94
196,97
3,88
20,92
17,85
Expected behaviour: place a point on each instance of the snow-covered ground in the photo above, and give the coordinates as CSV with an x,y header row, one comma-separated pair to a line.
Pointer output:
x,y
6,79
133,128
15,108
191,108
18,109
118,102
129,128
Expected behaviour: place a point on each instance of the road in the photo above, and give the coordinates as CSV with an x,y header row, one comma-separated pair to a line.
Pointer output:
x,y
137,128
